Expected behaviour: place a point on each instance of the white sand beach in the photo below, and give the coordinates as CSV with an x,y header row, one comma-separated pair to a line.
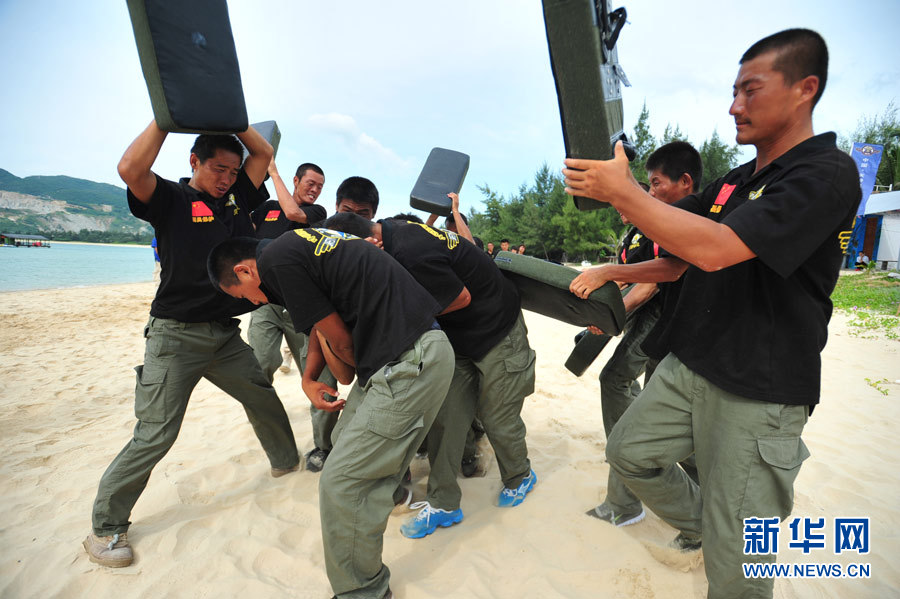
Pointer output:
x,y
213,522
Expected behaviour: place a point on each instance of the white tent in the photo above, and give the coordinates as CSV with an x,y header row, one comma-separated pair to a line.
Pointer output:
x,y
887,205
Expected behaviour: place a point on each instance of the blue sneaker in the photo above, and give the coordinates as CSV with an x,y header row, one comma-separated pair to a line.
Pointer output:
x,y
428,519
513,497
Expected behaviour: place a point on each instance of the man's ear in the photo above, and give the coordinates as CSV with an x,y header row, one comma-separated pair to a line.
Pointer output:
x,y
809,87
243,271
296,181
195,162
687,183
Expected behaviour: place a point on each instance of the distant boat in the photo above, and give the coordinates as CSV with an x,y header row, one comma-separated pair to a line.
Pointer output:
x,y
13,240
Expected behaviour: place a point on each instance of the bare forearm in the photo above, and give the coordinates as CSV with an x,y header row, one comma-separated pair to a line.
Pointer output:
x,y
137,161
315,359
260,153
639,295
698,240
663,270
285,199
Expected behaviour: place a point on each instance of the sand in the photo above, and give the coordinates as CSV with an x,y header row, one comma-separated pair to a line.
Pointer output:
x,y
213,523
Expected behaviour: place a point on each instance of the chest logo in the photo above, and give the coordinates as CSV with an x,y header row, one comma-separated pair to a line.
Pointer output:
x,y
635,241
451,238
723,196
272,215
329,240
231,202
200,213
756,194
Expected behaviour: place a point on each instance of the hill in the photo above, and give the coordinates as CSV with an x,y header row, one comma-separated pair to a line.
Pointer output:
x,y
68,208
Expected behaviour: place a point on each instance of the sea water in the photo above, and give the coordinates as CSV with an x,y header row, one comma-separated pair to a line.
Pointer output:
x,y
73,265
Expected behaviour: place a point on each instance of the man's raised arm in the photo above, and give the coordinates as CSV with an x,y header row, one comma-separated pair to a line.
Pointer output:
x,y
260,154
286,200
134,167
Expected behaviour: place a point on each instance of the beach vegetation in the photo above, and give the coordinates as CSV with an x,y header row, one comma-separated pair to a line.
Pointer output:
x,y
872,299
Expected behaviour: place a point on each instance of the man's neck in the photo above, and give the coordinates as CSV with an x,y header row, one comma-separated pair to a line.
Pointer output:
x,y
768,151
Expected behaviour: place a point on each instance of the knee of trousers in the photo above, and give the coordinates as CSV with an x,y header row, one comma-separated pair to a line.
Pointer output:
x,y
624,457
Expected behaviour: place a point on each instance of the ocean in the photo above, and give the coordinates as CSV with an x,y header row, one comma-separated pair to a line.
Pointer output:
x,y
73,265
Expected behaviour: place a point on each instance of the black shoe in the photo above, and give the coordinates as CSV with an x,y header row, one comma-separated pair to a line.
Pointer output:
x,y
315,459
469,467
685,544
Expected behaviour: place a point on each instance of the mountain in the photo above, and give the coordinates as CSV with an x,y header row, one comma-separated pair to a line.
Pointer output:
x,y
63,207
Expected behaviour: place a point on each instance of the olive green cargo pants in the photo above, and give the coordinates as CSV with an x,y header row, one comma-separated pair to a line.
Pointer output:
x,y
374,446
619,387
176,356
495,389
268,324
748,454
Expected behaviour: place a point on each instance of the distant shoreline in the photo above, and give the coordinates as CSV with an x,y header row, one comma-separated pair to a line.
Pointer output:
x,y
127,245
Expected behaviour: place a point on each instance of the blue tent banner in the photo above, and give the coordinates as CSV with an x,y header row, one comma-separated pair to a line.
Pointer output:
x,y
867,158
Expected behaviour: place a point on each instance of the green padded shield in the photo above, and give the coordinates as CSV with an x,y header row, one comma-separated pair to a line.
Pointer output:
x,y
544,288
586,351
190,65
270,132
581,37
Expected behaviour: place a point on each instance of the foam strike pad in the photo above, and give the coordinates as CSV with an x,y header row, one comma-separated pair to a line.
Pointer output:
x,y
443,173
586,351
544,288
270,132
581,36
189,62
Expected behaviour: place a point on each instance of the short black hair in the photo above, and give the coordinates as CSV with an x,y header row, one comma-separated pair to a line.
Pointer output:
x,y
308,166
205,146
223,257
504,241
676,158
801,53
450,219
408,216
348,222
359,190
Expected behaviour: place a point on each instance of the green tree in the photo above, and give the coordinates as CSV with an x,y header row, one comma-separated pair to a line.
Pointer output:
x,y
673,134
644,144
718,158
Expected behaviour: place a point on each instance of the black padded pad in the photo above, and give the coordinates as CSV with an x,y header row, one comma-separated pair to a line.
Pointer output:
x,y
587,83
544,288
190,65
586,351
443,173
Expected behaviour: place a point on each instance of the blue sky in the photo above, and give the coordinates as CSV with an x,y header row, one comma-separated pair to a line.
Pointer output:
x,y
365,88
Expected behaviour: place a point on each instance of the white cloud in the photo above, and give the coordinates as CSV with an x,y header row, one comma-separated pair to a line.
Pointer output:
x,y
360,144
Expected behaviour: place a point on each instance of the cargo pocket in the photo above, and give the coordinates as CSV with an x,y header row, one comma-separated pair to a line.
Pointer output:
x,y
150,393
519,368
770,486
394,433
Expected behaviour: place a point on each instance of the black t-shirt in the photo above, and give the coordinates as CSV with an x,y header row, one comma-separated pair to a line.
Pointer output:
x,y
443,262
757,328
314,272
188,225
637,247
270,221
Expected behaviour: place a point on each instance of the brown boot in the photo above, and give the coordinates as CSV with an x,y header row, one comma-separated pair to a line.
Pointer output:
x,y
112,552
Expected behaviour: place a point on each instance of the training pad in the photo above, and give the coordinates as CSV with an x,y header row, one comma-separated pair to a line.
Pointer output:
x,y
270,132
588,78
544,288
443,173
589,346
189,62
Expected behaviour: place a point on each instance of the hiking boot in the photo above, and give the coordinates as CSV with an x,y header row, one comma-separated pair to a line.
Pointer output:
x,y
685,543
428,519
315,459
513,497
279,472
606,513
469,467
112,552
